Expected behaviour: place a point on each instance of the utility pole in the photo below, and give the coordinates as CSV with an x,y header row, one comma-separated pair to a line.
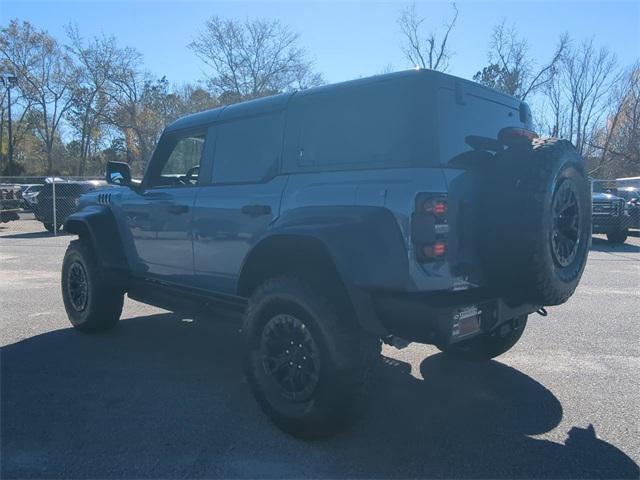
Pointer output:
x,y
9,81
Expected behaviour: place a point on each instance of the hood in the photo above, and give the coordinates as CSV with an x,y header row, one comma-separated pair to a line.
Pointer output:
x,y
605,197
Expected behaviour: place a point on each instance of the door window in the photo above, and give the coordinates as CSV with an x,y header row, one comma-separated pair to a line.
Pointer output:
x,y
178,163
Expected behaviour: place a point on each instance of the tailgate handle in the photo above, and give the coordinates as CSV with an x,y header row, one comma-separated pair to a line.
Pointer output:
x,y
256,210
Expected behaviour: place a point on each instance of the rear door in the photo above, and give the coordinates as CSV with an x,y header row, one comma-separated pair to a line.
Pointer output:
x,y
160,214
243,199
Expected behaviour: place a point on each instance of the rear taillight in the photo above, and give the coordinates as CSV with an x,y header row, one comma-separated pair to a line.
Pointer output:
x,y
514,136
435,206
429,227
435,251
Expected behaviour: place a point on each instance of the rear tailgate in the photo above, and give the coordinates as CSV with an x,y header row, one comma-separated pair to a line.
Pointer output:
x,y
464,109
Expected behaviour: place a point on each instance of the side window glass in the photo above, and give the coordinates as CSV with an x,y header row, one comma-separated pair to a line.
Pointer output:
x,y
248,150
182,164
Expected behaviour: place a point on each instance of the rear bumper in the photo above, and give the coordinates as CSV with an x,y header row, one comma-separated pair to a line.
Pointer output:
x,y
443,318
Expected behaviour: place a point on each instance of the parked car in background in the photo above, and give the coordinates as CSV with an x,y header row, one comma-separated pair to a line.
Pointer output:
x,y
610,216
10,202
67,195
29,192
632,197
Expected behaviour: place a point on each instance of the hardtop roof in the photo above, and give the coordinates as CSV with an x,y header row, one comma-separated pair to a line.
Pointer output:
x,y
280,101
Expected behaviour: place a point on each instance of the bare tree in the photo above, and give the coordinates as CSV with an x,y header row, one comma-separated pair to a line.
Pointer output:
x,y
588,74
20,123
130,89
95,61
253,58
426,50
511,70
618,140
45,77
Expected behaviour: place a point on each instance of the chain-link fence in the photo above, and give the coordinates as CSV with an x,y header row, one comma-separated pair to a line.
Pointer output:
x,y
41,204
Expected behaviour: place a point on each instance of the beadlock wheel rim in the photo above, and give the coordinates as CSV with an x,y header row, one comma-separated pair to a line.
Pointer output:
x,y
567,222
290,357
78,286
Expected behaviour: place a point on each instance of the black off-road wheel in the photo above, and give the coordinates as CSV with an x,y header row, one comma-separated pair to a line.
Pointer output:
x,y
92,304
488,345
307,361
50,228
618,236
537,233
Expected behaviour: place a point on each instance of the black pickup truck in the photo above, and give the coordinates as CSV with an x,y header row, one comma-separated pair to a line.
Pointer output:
x,y
610,216
67,195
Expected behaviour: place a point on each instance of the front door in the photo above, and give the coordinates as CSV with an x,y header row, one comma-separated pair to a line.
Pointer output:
x,y
160,213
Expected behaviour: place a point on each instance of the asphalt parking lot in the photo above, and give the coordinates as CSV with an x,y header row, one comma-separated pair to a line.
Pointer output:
x,y
163,396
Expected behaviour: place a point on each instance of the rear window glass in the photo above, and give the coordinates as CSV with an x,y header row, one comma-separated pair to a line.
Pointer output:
x,y
475,116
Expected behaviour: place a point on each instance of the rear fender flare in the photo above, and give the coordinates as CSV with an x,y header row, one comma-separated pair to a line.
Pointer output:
x,y
364,244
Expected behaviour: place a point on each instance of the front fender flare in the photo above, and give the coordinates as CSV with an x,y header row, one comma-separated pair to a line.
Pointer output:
x,y
97,225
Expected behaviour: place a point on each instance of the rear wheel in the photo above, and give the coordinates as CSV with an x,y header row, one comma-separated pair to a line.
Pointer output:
x,y
92,304
307,361
50,228
618,236
489,345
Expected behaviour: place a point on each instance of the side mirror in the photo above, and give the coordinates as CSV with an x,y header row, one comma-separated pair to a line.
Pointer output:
x,y
118,173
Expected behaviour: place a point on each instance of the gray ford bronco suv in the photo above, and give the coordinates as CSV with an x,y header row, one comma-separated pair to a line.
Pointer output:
x,y
412,206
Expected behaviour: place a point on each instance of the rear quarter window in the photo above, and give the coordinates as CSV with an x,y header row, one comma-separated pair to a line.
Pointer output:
x,y
378,125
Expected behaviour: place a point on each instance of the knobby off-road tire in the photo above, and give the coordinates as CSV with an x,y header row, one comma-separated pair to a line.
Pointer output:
x,y
307,361
92,304
489,345
537,234
618,236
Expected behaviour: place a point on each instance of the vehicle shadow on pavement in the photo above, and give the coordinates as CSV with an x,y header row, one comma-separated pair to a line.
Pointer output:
x,y
30,235
602,245
162,396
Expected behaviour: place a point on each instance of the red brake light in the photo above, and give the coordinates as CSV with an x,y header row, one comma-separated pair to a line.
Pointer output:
x,y
435,206
510,135
436,250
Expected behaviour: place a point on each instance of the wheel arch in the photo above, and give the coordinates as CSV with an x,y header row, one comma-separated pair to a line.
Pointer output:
x,y
309,257
97,227
268,257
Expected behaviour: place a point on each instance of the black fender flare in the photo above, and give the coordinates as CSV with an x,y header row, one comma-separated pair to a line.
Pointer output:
x,y
364,244
97,225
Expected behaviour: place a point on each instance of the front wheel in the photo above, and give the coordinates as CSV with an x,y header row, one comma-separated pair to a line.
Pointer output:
x,y
92,304
307,361
618,236
488,345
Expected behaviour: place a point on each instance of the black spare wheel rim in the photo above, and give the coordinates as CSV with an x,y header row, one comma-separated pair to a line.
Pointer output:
x,y
290,357
566,230
78,286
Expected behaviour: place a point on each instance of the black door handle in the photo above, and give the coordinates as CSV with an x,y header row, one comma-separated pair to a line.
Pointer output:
x,y
256,209
178,209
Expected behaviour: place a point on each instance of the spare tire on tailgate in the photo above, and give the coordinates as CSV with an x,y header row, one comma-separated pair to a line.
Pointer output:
x,y
536,226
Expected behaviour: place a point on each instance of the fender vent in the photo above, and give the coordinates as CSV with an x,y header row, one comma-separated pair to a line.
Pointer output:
x,y
104,198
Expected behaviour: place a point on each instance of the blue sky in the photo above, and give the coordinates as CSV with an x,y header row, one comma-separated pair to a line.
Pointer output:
x,y
346,39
